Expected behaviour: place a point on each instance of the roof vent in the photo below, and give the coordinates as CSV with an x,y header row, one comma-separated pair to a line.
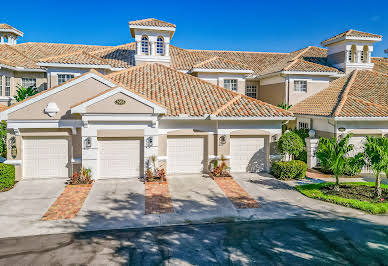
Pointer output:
x,y
51,109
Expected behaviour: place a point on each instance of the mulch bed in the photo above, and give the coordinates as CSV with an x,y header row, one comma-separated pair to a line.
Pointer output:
x,y
157,198
237,195
68,203
363,193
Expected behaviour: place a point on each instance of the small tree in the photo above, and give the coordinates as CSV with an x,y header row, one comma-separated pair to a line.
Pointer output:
x,y
24,93
376,150
332,153
291,144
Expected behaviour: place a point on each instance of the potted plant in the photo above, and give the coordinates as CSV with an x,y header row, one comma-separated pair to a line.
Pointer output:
x,y
219,168
155,173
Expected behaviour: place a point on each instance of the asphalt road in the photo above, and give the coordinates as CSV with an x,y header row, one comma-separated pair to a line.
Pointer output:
x,y
275,242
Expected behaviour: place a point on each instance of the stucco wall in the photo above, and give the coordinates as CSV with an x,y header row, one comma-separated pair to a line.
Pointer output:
x,y
314,85
64,100
273,93
218,79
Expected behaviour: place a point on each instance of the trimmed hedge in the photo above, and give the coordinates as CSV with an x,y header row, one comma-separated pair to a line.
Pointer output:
x,y
7,176
289,170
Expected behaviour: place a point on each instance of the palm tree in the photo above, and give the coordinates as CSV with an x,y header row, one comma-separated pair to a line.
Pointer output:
x,y
24,93
284,106
332,155
376,150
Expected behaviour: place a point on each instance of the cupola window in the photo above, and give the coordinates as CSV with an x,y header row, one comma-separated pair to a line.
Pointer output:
x,y
145,46
160,46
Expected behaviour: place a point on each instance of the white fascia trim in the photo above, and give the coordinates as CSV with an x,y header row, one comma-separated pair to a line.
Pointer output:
x,y
73,65
246,71
373,39
4,114
276,118
22,69
152,28
361,118
268,75
329,73
18,33
81,109
44,123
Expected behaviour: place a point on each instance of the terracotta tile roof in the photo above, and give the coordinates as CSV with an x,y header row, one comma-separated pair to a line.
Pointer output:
x,y
4,26
351,33
12,57
152,22
81,57
380,64
362,93
185,94
220,63
2,107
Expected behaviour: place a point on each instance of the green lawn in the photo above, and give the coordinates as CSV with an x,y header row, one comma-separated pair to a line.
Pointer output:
x,y
314,191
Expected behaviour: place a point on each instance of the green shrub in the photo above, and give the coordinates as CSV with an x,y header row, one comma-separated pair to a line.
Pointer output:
x,y
354,165
289,170
7,176
290,143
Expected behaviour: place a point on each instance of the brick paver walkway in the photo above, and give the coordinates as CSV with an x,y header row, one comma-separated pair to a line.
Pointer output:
x,y
311,173
68,203
157,198
239,197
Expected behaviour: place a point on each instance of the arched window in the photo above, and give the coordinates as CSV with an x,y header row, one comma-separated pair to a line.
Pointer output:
x,y
145,45
352,54
160,46
364,54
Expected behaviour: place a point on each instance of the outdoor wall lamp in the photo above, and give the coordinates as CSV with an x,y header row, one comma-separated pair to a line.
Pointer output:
x,y
149,142
88,142
341,129
222,139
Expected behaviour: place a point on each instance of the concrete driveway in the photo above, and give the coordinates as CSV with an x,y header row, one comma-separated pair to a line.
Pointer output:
x,y
26,203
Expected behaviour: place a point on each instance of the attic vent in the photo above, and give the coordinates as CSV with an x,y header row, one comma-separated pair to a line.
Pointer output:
x,y
51,109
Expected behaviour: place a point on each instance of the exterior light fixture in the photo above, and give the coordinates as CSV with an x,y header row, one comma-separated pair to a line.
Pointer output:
x,y
223,140
341,129
312,133
88,142
274,137
51,109
149,142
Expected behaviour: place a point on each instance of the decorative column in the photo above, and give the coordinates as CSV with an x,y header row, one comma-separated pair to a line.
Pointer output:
x,y
167,49
153,48
311,148
358,58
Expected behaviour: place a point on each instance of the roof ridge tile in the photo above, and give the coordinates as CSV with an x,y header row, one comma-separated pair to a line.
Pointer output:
x,y
344,94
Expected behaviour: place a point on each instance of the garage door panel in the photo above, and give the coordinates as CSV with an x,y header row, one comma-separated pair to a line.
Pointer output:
x,y
248,154
48,157
185,154
120,158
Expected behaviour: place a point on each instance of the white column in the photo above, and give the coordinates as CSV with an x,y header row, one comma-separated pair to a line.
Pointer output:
x,y
369,54
90,154
311,147
167,49
153,48
1,39
358,57
138,48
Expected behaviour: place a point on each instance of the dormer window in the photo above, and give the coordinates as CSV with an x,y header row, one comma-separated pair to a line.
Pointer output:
x,y
160,46
145,45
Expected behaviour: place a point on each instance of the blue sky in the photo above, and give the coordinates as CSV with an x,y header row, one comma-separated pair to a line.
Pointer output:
x,y
274,26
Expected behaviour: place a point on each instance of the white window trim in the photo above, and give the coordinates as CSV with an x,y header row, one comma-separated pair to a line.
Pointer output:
x,y
64,74
231,81
29,80
9,86
296,81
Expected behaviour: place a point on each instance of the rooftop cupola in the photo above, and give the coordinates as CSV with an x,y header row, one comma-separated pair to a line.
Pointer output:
x,y
152,38
8,34
351,50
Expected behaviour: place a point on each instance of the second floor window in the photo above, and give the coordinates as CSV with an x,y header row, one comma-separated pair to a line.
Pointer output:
x,y
230,84
28,82
160,46
64,77
303,125
252,91
145,46
7,86
300,85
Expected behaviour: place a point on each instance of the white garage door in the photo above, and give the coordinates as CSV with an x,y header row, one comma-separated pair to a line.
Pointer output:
x,y
248,154
119,158
45,157
185,154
